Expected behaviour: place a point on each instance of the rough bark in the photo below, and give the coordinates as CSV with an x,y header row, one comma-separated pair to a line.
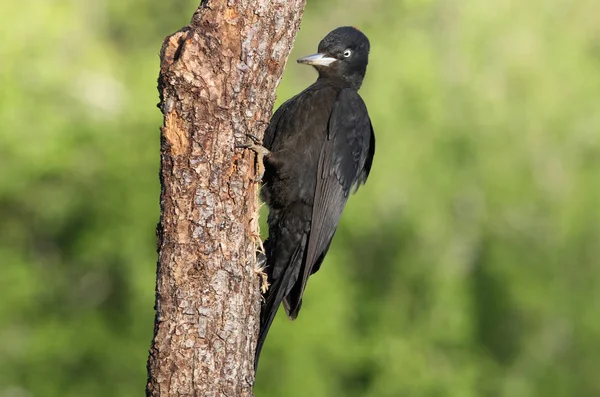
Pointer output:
x,y
217,82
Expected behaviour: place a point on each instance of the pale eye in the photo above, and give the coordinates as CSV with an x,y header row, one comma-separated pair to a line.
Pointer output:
x,y
347,53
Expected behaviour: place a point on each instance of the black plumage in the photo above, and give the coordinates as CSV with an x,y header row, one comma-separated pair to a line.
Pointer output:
x,y
319,145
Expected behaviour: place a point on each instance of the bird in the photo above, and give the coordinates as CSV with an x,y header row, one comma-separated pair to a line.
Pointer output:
x,y
317,148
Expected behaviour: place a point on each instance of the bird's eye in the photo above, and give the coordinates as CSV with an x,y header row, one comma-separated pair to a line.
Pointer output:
x,y
347,53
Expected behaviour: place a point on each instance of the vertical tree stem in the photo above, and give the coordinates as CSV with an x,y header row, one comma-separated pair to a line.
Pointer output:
x,y
217,82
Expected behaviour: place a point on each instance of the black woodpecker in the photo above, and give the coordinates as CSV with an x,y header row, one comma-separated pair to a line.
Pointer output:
x,y
319,146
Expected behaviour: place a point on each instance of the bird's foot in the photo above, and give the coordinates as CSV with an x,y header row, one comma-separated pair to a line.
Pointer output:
x,y
261,261
256,146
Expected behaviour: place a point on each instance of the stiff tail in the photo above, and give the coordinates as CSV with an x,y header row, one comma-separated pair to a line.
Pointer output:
x,y
293,300
279,288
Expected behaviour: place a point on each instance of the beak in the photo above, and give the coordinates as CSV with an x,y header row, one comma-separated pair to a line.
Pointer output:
x,y
317,60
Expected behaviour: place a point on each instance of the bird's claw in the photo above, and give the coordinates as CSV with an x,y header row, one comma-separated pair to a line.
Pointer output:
x,y
256,146
254,139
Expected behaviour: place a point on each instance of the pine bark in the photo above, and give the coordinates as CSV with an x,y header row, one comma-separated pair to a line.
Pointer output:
x,y
217,83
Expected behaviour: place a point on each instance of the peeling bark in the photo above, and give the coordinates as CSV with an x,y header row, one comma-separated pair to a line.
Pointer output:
x,y
217,83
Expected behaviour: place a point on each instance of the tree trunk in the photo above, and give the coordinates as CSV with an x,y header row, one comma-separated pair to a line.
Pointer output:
x,y
217,83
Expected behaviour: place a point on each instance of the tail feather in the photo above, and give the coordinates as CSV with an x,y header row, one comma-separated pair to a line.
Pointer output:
x,y
292,308
279,288
292,302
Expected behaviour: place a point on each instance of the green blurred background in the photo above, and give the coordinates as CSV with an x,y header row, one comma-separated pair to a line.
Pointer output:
x,y
467,266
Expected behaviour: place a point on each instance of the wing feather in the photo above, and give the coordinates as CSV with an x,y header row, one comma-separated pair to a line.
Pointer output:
x,y
345,161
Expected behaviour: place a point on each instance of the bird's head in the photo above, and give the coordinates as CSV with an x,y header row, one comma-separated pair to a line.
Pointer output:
x,y
343,56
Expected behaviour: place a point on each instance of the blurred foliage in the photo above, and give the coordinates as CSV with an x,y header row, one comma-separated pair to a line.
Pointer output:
x,y
467,266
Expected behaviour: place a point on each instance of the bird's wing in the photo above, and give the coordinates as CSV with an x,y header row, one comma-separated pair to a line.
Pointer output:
x,y
366,169
345,161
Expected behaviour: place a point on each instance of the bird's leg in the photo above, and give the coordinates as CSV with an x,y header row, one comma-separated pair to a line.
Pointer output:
x,y
256,146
